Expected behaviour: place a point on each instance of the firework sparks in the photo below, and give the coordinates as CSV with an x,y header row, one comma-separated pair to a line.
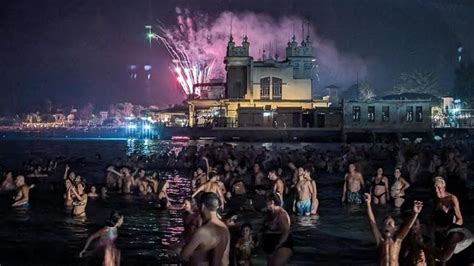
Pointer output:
x,y
189,65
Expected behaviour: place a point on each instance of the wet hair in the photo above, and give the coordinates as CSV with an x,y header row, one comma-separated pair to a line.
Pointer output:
x,y
308,168
210,201
245,225
275,198
114,218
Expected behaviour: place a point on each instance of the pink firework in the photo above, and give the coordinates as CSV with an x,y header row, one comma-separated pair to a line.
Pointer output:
x,y
190,64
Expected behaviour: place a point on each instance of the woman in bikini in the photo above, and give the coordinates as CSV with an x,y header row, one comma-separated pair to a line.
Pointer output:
x,y
80,201
398,188
107,236
379,188
277,239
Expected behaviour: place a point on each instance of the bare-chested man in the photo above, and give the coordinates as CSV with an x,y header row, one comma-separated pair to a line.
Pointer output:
x,y
389,242
278,184
22,194
353,183
211,186
304,194
209,245
314,196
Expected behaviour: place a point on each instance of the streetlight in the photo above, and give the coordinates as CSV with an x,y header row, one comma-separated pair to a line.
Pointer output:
x,y
149,34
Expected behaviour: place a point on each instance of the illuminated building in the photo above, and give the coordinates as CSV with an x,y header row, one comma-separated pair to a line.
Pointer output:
x,y
265,92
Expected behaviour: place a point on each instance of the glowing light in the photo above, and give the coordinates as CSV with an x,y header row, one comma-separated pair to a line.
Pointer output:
x,y
147,67
147,127
267,113
132,126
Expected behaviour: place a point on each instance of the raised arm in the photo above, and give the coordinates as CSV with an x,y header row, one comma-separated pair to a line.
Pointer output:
x,y
65,171
417,206
371,216
405,184
112,170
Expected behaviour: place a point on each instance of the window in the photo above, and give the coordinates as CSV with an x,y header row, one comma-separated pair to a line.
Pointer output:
x,y
385,113
277,86
265,88
371,113
356,113
419,114
409,113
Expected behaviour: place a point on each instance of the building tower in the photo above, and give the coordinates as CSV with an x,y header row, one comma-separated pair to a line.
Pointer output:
x,y
237,64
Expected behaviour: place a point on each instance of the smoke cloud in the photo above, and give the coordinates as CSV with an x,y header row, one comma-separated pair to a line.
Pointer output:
x,y
205,39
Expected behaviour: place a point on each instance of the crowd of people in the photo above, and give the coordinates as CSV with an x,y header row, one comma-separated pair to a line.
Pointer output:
x,y
279,182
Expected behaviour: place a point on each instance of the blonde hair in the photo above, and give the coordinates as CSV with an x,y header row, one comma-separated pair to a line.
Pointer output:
x,y
440,179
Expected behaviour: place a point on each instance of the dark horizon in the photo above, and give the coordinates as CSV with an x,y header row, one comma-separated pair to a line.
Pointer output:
x,y
77,52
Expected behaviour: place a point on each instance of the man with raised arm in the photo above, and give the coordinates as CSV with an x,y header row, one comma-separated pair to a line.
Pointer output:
x,y
389,241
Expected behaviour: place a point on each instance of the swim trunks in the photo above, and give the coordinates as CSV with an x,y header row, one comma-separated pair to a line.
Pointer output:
x,y
354,197
303,207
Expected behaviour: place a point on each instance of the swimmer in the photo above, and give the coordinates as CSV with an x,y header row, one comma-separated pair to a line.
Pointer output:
x,y
314,197
23,192
278,184
80,201
209,245
68,195
389,241
8,184
245,245
277,238
379,188
304,191
398,188
353,184
447,202
211,186
93,194
107,236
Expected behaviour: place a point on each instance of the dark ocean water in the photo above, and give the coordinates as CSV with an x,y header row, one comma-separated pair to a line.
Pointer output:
x,y
45,234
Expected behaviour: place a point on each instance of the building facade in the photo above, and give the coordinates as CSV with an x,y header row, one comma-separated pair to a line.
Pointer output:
x,y
387,116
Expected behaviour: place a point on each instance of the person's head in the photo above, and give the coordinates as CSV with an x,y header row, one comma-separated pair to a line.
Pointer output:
x,y
19,180
280,171
199,171
68,183
188,204
397,173
300,171
116,219
440,186
209,204
379,171
80,187
227,167
389,227
272,175
352,168
246,230
307,171
72,175
273,201
93,189
213,177
256,168
141,173
78,179
9,175
103,190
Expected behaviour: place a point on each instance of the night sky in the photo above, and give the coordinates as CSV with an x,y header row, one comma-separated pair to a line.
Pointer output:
x,y
73,52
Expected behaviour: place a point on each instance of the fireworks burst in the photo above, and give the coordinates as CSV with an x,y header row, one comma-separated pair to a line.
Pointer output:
x,y
190,64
